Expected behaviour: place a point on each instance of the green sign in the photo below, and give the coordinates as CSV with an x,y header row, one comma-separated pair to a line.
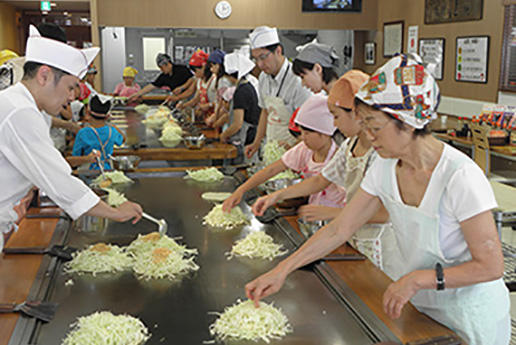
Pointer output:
x,y
45,5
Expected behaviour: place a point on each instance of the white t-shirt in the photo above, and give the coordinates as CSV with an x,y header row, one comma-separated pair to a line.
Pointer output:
x,y
468,193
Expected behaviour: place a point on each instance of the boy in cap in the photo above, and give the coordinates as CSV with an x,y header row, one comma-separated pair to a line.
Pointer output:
x,y
280,91
177,78
97,136
27,154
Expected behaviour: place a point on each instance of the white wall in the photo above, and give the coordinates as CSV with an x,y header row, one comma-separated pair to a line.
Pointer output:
x,y
113,57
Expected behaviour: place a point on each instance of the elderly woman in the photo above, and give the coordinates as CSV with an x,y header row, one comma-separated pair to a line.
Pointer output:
x,y
440,205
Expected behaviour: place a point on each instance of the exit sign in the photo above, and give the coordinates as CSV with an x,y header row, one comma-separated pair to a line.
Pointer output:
x,y
45,5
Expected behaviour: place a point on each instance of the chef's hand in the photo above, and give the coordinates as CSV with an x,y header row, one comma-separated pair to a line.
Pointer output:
x,y
398,294
263,203
251,149
265,285
129,210
22,207
316,212
232,201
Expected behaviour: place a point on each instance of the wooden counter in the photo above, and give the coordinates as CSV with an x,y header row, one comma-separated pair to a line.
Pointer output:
x,y
369,283
19,271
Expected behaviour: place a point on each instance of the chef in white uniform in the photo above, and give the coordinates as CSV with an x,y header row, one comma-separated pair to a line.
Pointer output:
x,y
439,201
27,155
280,90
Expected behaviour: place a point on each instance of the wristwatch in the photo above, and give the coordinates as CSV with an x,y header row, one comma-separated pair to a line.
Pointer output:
x,y
439,274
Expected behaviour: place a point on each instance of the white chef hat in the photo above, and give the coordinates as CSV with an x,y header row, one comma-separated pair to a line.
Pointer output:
x,y
237,62
58,54
263,36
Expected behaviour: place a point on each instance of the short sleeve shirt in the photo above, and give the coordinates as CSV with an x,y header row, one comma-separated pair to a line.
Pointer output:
x,y
246,98
180,75
86,141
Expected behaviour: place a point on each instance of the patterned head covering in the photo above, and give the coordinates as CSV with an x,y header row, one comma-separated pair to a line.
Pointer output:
x,y
130,72
405,89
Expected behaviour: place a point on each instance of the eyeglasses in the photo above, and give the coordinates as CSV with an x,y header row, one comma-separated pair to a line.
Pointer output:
x,y
261,57
374,130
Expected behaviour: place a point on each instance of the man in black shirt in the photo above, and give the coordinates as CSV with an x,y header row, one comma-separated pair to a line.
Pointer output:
x,y
177,77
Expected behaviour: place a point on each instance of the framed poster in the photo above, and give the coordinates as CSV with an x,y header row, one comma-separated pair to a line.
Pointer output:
x,y
412,39
447,11
392,38
471,59
369,53
431,51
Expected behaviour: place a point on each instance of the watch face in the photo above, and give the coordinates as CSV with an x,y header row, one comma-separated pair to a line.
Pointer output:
x,y
223,9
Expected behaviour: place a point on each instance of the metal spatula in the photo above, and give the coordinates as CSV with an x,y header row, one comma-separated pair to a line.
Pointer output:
x,y
163,226
43,311
60,251
270,215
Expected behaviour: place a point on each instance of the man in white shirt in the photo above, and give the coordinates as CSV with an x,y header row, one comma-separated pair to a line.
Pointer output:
x,y
280,90
27,154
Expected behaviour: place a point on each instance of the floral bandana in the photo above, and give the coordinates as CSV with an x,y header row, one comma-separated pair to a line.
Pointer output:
x,y
405,89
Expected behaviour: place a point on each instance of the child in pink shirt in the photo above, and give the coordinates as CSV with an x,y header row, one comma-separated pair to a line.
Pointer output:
x,y
308,157
128,87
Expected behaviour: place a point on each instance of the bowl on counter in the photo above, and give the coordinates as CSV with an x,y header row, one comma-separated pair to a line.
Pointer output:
x,y
308,228
195,142
275,185
125,162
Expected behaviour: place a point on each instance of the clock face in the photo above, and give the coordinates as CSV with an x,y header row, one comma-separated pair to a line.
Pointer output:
x,y
223,9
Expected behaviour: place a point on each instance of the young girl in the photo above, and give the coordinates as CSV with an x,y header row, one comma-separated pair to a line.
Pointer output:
x,y
128,87
97,135
315,64
216,62
308,157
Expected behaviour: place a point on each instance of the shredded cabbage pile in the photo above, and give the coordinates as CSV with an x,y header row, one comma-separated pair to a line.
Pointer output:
x,y
243,321
157,119
257,245
104,328
99,258
215,196
157,257
205,175
272,151
227,220
115,198
116,177
171,136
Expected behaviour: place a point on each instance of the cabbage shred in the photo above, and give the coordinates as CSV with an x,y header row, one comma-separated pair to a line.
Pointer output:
x,y
116,177
243,321
257,245
227,220
215,196
205,175
104,328
272,151
115,198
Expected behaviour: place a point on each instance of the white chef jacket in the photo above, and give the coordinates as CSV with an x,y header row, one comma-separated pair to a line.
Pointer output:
x,y
292,92
28,157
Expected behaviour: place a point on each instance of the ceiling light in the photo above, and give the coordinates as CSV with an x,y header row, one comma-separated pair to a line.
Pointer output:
x,y
44,12
53,4
65,13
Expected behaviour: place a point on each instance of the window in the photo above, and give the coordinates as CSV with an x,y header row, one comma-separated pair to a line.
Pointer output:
x,y
508,68
152,46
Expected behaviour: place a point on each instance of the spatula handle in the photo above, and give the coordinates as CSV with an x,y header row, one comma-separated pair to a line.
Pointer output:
x,y
30,250
7,307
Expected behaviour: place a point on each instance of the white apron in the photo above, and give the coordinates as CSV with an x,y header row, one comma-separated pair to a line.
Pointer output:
x,y
278,117
474,312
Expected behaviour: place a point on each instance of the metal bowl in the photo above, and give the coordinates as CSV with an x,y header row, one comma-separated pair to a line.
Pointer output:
x,y
195,142
308,228
126,162
275,185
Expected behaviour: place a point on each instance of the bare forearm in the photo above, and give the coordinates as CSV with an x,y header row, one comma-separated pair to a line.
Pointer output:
x,y
309,186
262,176
221,120
103,210
146,89
189,90
75,161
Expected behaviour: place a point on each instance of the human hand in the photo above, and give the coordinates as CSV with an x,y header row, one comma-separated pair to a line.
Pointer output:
x,y
316,212
22,207
170,98
92,157
263,203
232,201
251,149
129,210
73,127
398,294
210,120
180,105
265,285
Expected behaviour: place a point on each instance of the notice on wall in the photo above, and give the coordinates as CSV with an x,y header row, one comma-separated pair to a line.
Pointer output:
x,y
471,59
412,39
431,51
